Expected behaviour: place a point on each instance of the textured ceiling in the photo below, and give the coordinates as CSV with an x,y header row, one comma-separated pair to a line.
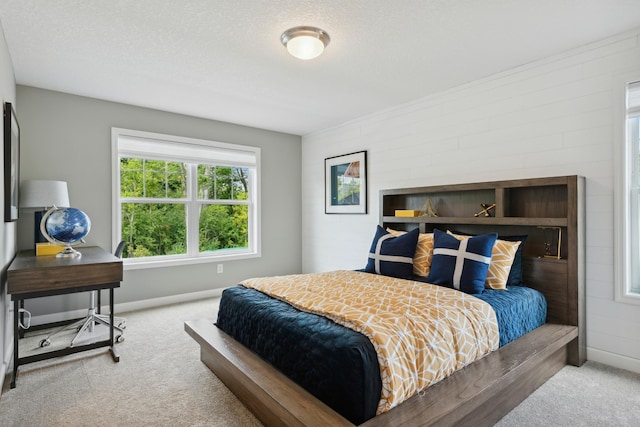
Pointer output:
x,y
223,59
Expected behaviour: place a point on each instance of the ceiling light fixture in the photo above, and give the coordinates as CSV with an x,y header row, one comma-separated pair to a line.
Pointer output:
x,y
305,42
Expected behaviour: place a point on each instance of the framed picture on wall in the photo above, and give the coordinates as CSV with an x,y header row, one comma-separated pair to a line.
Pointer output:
x,y
11,163
346,184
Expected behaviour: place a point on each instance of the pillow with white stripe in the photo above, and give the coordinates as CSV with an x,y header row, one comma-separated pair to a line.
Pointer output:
x,y
461,264
392,256
502,258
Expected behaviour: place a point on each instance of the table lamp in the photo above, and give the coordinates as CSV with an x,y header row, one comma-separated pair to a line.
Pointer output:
x,y
42,195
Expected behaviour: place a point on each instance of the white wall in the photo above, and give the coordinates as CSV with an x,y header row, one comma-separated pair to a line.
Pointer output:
x,y
7,229
550,118
68,138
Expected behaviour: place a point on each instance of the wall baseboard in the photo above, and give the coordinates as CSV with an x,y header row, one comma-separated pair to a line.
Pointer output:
x,y
128,306
612,359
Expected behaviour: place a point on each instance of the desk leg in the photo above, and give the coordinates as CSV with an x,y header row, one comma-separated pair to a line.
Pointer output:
x,y
112,349
99,306
16,336
21,318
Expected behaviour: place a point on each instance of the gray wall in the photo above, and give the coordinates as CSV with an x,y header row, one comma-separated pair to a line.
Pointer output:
x,y
68,138
7,229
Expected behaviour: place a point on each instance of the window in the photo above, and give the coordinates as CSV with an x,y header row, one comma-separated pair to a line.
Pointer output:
x,y
628,255
180,200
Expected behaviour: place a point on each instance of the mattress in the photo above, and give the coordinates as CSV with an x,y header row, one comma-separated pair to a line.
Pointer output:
x,y
334,363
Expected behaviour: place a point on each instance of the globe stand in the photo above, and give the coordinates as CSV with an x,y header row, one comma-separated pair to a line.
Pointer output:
x,y
68,252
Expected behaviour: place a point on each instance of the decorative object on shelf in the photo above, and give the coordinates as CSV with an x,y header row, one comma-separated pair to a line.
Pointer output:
x,y
305,42
407,213
66,227
428,210
48,248
42,195
11,163
552,242
486,209
346,184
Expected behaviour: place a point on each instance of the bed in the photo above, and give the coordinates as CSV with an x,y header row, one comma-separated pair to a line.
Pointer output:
x,y
480,393
342,370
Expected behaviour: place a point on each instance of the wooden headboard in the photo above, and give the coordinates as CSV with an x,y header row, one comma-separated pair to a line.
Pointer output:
x,y
546,210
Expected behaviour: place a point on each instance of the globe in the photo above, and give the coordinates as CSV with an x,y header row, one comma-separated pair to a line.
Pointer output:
x,y
65,226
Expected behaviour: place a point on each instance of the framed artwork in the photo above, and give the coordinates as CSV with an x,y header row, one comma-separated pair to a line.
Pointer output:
x,y
345,185
11,163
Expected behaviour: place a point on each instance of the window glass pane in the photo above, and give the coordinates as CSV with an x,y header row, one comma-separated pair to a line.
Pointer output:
x,y
154,184
222,183
131,184
152,229
176,180
633,151
223,227
240,190
633,97
206,182
634,135
164,179
635,244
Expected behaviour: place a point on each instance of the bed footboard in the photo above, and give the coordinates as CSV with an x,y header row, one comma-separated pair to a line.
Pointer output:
x,y
482,392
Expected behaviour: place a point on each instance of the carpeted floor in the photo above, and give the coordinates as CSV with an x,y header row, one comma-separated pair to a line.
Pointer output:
x,y
160,381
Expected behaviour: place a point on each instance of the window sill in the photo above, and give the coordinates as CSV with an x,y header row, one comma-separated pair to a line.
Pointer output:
x,y
139,264
628,298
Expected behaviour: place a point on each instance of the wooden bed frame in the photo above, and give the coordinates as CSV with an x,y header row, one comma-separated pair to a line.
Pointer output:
x,y
479,394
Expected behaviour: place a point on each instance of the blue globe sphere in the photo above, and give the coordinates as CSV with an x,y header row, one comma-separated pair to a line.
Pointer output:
x,y
67,225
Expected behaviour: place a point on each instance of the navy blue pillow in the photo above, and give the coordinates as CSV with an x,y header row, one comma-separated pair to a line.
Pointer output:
x,y
515,274
392,256
461,264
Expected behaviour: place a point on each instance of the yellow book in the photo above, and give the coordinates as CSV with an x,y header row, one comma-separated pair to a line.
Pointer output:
x,y
407,212
48,249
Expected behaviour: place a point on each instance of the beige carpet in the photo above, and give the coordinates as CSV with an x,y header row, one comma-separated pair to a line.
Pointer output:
x,y
160,381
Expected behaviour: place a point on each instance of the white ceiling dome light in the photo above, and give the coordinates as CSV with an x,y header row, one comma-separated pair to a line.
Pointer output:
x,y
305,42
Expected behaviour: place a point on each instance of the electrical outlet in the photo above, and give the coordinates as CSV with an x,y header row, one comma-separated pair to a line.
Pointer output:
x,y
220,268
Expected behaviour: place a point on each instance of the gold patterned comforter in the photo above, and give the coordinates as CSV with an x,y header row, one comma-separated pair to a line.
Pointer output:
x,y
422,333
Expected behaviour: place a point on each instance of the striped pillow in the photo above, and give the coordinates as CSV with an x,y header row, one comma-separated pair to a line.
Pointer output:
x,y
502,257
461,263
392,255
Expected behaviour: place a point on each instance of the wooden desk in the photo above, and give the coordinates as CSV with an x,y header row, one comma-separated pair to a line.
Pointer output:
x,y
30,276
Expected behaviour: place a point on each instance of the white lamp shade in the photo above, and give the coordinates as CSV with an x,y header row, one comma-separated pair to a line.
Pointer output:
x,y
305,47
37,193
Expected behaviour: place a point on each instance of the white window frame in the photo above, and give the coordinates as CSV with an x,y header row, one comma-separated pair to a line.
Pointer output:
x,y
191,148
627,247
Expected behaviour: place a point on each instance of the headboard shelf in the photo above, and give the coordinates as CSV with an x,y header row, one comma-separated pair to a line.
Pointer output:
x,y
536,222
522,207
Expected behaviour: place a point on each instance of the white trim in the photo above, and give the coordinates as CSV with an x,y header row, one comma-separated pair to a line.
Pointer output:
x,y
140,143
622,226
248,156
157,262
612,359
123,308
